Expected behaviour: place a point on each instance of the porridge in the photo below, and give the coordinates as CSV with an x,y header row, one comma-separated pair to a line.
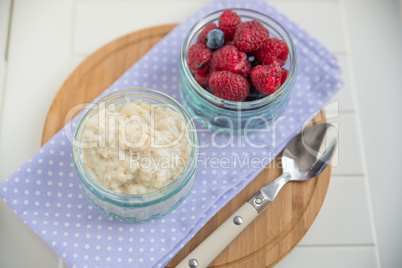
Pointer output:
x,y
136,147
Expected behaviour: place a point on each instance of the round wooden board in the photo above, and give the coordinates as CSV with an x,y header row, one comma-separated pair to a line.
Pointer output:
x,y
273,234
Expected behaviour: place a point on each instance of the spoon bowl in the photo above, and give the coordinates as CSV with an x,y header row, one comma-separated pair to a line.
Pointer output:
x,y
304,158
307,154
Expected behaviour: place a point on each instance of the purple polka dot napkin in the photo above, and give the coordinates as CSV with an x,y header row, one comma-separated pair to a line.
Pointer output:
x,y
45,192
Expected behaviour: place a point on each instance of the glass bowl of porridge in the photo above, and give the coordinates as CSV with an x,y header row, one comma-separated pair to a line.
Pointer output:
x,y
136,152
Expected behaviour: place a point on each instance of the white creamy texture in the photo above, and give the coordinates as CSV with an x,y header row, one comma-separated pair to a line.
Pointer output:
x,y
139,147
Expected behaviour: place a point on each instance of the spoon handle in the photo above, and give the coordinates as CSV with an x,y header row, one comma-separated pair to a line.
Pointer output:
x,y
215,243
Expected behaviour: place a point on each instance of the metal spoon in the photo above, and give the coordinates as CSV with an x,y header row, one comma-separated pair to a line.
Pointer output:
x,y
304,158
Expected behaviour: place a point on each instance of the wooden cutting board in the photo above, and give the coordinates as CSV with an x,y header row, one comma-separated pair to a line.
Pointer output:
x,y
273,234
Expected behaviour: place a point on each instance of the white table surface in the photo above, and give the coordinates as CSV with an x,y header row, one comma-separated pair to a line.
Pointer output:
x,y
360,222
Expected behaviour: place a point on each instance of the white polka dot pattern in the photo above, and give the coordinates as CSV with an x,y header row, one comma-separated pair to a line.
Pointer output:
x,y
45,191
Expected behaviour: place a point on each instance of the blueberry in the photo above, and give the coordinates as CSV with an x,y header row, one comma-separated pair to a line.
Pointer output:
x,y
215,39
253,61
254,94
209,90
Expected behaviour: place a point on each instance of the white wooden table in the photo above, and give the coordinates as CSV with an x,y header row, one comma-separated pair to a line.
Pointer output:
x,y
46,39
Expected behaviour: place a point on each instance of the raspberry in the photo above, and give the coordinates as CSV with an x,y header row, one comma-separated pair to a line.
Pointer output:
x,y
250,36
229,58
245,72
202,76
203,34
273,50
266,78
202,80
229,86
228,22
198,56
284,74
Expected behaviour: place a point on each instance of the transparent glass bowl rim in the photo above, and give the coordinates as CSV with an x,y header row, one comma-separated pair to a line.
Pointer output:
x,y
138,200
249,105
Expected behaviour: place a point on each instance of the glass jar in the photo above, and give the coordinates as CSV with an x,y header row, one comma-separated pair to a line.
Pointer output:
x,y
139,207
231,116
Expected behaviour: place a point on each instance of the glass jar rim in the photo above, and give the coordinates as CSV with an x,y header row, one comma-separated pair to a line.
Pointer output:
x,y
236,105
153,197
